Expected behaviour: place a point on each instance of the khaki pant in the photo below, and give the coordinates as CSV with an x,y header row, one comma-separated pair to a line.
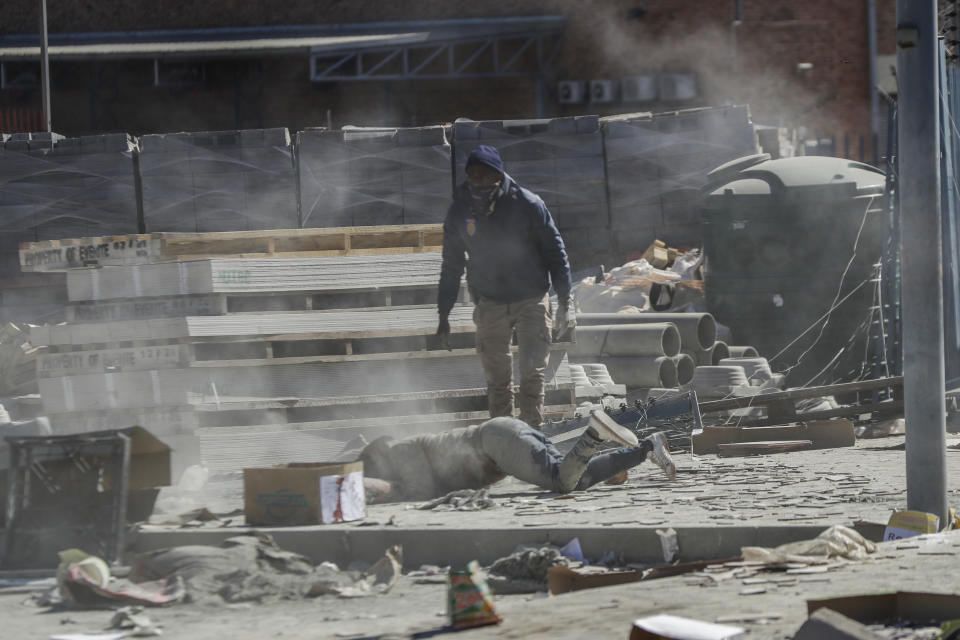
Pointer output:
x,y
496,322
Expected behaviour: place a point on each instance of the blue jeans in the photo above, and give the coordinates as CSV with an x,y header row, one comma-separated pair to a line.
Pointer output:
x,y
528,455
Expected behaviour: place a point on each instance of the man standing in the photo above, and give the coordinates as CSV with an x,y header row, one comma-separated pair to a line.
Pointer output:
x,y
506,238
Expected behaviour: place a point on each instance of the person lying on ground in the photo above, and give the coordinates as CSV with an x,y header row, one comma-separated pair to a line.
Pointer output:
x,y
429,466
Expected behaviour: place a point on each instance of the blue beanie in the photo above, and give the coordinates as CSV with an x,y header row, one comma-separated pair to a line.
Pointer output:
x,y
485,154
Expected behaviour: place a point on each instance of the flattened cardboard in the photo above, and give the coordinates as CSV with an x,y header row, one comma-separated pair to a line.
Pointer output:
x,y
289,495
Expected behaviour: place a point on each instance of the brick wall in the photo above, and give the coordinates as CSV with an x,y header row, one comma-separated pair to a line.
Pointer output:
x,y
753,62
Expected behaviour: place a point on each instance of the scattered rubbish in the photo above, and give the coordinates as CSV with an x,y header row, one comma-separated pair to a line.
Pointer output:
x,y
883,428
676,628
135,622
827,623
573,551
906,524
85,581
669,544
304,494
469,601
462,500
836,542
525,570
379,578
252,568
761,618
90,636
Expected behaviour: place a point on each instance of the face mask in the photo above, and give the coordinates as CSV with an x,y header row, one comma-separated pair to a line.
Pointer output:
x,y
482,194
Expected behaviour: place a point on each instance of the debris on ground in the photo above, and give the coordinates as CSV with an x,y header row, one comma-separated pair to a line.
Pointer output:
x,y
134,621
525,570
252,568
462,500
836,542
84,581
378,579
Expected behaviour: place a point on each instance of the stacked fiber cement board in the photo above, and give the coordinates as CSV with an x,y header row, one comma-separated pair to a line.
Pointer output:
x,y
656,164
172,357
255,275
360,176
559,159
218,181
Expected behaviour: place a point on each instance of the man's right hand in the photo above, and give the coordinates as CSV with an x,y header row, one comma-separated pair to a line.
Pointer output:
x,y
443,332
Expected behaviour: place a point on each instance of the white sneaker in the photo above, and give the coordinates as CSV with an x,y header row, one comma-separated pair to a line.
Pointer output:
x,y
661,455
608,429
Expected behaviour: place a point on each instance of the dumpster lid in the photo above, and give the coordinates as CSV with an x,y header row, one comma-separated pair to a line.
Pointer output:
x,y
799,173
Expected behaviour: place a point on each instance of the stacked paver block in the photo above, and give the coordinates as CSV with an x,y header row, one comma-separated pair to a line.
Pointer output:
x,y
559,159
218,181
359,176
55,187
656,164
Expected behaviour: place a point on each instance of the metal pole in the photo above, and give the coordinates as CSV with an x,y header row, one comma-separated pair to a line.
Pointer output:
x,y
45,67
920,249
874,106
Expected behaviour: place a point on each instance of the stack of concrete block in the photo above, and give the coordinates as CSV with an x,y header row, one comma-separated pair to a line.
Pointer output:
x,y
55,187
559,159
361,176
218,181
656,164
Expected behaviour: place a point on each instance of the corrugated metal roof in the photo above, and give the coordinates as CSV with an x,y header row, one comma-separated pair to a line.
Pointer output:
x,y
221,42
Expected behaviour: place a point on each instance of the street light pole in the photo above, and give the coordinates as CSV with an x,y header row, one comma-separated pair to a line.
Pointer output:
x,y
918,188
45,67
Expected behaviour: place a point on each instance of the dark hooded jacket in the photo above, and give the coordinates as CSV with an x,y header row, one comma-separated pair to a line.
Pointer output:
x,y
511,254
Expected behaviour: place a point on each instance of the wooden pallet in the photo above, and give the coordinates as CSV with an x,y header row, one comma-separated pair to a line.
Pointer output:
x,y
60,255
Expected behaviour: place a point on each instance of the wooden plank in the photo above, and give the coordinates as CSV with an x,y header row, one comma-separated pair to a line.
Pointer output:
x,y
754,448
880,408
137,249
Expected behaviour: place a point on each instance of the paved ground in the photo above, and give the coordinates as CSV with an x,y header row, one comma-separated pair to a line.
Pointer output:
x,y
713,496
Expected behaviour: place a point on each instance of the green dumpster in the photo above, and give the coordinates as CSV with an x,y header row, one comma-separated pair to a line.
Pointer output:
x,y
790,249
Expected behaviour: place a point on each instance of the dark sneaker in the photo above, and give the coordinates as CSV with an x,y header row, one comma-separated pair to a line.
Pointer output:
x,y
660,455
608,429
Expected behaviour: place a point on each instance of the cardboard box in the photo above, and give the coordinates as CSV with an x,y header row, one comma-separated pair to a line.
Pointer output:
x,y
893,605
823,434
304,494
